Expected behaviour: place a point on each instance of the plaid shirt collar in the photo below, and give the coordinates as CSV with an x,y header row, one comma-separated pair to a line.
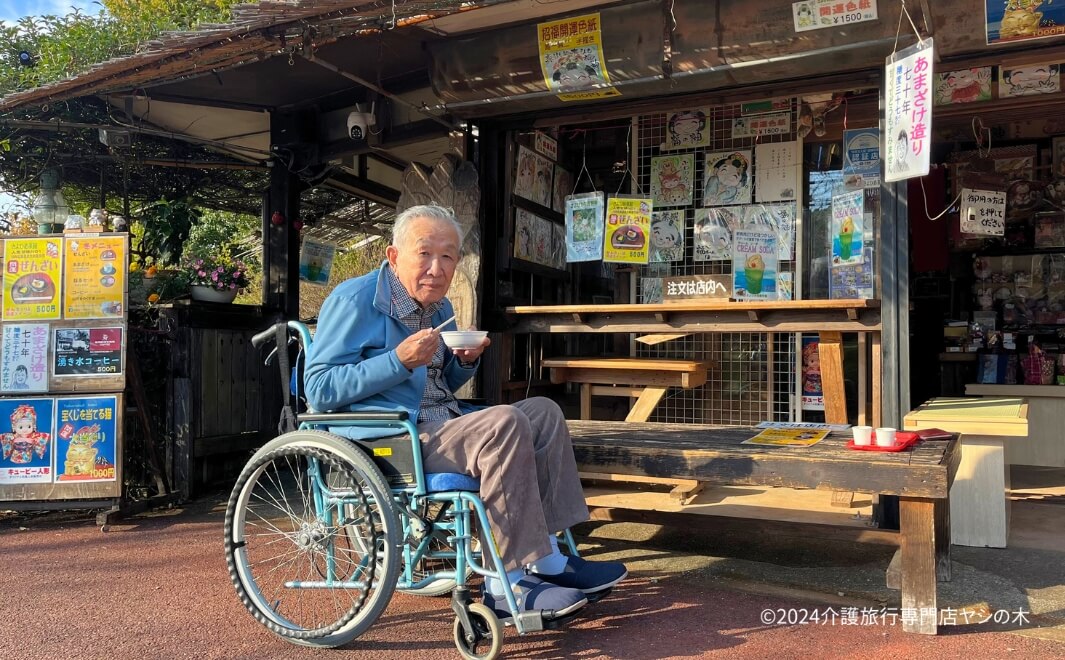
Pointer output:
x,y
405,307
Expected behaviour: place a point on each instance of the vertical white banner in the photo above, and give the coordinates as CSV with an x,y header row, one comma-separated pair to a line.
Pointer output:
x,y
907,130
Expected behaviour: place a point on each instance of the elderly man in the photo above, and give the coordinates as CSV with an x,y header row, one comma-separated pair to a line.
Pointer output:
x,y
375,349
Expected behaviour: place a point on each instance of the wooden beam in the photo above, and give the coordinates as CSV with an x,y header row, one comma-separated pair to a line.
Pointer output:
x,y
646,404
918,558
830,350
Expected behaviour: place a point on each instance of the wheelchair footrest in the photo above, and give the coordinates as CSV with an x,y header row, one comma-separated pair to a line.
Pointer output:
x,y
598,596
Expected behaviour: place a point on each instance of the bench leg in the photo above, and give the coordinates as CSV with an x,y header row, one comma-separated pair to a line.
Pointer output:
x,y
917,523
586,400
942,522
645,405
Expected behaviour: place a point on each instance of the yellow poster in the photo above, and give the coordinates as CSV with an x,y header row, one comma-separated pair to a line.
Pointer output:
x,y
95,277
788,437
628,228
32,288
571,57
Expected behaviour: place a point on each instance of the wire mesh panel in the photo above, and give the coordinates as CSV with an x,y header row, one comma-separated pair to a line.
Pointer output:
x,y
752,375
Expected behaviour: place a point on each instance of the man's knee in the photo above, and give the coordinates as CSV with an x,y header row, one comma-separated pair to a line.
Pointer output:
x,y
510,424
541,406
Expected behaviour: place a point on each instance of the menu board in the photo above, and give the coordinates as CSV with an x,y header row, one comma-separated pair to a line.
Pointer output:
x,y
95,277
32,286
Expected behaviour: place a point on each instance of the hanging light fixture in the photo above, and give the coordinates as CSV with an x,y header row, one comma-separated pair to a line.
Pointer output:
x,y
50,209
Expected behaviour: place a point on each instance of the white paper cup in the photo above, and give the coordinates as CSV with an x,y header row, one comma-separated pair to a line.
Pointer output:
x,y
885,437
863,435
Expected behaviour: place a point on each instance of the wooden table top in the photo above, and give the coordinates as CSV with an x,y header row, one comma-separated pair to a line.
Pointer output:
x,y
716,454
627,364
987,415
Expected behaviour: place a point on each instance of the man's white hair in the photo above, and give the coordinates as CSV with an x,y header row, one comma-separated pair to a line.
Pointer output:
x,y
402,224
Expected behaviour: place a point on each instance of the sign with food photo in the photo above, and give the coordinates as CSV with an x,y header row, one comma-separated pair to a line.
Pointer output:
x,y
95,278
31,282
628,227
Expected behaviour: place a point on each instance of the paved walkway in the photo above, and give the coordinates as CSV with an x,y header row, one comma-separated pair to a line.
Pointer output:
x,y
157,587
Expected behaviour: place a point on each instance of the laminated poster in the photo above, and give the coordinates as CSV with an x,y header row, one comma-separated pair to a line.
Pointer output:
x,y
686,129
88,351
628,228
571,58
1023,20
861,158
672,180
908,112
754,265
26,441
848,213
316,260
86,444
788,437
853,282
584,227
727,178
650,290
32,285
813,398
562,186
776,218
713,232
95,277
667,236
24,355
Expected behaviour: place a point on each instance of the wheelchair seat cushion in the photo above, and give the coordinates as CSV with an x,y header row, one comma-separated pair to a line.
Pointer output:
x,y
436,482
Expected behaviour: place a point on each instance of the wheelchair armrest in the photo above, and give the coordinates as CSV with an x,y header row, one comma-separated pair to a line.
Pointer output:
x,y
325,418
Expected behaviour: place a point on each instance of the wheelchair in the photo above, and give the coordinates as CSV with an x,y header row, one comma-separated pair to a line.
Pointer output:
x,y
321,530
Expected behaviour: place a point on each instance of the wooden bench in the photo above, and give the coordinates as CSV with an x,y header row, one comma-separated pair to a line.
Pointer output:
x,y
921,477
646,379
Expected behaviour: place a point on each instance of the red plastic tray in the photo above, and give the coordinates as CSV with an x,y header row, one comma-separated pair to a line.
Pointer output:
x,y
903,440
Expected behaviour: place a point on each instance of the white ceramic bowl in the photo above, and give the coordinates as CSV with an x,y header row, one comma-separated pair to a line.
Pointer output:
x,y
464,338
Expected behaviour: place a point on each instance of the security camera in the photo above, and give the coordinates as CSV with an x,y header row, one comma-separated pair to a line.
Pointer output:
x,y
359,124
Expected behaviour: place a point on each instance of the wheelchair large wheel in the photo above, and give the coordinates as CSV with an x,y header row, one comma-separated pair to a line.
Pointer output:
x,y
487,639
310,539
427,566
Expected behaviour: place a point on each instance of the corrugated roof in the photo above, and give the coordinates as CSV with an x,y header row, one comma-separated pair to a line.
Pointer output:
x,y
257,31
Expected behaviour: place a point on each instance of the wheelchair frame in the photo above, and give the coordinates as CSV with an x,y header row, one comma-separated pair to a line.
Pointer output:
x,y
336,517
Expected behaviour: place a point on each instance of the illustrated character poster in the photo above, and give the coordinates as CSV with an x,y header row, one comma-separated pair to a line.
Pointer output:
x,y
1029,80
687,129
24,358
963,86
32,285
650,290
713,232
86,444
667,236
563,186
754,265
316,260
628,227
584,227
813,397
672,180
728,177
908,112
94,280
534,177
1021,20
571,58
848,214
26,446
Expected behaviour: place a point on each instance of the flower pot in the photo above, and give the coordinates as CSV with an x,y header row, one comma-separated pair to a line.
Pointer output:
x,y
207,294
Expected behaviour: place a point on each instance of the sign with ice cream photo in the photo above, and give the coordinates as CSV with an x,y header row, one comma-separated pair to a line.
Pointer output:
x,y
754,265
848,212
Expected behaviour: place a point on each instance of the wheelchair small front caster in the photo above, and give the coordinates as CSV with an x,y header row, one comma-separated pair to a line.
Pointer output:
x,y
484,640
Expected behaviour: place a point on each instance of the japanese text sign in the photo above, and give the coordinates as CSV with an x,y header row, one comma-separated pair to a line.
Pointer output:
x,y
908,99
571,58
32,288
818,14
95,277
983,212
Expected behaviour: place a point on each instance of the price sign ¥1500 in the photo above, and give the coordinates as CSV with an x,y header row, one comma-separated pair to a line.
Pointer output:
x,y
983,212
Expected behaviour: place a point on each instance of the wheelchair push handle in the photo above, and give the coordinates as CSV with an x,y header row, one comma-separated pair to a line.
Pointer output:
x,y
261,338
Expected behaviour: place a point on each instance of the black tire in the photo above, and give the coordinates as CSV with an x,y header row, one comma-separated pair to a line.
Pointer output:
x,y
273,536
489,631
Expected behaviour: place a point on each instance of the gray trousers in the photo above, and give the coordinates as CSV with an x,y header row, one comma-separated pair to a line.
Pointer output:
x,y
523,457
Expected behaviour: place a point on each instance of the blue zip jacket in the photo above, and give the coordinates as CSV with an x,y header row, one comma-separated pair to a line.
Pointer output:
x,y
352,363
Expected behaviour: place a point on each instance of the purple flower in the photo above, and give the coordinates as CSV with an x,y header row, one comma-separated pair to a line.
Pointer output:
x,y
232,286
201,273
214,276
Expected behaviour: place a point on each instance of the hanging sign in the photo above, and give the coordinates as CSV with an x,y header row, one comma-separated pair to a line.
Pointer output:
x,y
32,288
571,58
818,14
983,212
95,277
861,158
628,227
546,145
584,227
908,112
1023,20
316,260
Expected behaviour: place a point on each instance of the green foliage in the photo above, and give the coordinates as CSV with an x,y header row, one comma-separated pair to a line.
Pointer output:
x,y
346,265
161,231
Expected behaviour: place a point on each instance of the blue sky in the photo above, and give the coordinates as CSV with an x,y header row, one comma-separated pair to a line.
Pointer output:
x,y
11,11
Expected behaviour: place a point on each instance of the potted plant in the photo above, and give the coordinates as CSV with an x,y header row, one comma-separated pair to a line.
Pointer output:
x,y
215,278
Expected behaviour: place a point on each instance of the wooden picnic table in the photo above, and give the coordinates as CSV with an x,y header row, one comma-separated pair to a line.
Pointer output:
x,y
920,476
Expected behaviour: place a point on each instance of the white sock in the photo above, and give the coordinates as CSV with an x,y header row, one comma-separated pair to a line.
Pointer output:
x,y
552,564
495,586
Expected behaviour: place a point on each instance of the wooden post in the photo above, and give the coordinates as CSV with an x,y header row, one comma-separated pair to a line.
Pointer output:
x,y
830,349
281,243
917,522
